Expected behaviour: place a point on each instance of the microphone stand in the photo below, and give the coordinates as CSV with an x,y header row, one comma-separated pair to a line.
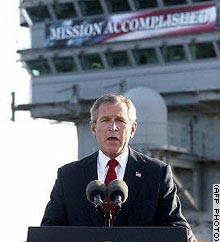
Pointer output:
x,y
108,216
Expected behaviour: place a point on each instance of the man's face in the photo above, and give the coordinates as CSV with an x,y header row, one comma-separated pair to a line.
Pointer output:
x,y
113,129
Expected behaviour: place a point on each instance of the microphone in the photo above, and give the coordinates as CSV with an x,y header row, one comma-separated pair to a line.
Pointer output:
x,y
118,193
95,193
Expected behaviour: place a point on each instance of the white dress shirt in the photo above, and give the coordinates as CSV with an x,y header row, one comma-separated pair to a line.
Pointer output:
x,y
102,165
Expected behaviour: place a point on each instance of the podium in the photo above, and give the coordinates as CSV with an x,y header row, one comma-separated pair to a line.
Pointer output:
x,y
105,234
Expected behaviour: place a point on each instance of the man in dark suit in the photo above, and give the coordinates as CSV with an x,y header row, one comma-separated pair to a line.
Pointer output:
x,y
152,199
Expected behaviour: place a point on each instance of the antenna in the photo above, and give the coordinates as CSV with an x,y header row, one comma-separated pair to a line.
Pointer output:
x,y
13,108
20,107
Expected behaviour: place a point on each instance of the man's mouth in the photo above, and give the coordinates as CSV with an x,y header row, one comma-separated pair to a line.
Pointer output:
x,y
112,139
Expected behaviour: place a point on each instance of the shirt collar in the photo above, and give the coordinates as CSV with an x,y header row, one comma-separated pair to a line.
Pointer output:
x,y
103,160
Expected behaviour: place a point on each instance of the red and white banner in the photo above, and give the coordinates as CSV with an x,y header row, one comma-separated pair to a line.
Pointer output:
x,y
132,26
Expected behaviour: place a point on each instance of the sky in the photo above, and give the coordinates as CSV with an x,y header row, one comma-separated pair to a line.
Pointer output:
x,y
31,150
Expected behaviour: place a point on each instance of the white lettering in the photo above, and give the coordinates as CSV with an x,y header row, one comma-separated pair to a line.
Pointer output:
x,y
160,21
216,217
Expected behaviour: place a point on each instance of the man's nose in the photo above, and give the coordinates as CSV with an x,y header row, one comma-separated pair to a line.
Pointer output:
x,y
113,126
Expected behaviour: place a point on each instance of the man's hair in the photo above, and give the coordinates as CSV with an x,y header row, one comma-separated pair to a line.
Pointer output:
x,y
114,99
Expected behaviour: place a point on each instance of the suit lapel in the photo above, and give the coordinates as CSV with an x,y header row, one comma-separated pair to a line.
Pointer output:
x,y
133,176
134,180
90,174
90,169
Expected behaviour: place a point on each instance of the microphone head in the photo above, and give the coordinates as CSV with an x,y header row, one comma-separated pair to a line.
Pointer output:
x,y
118,187
95,188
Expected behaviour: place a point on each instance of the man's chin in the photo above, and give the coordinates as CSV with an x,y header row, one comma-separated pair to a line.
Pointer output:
x,y
112,153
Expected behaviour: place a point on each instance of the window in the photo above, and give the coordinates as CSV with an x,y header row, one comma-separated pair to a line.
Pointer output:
x,y
202,50
218,43
64,10
140,4
91,61
117,5
174,2
38,67
145,56
195,1
217,21
117,59
173,53
91,7
64,64
39,13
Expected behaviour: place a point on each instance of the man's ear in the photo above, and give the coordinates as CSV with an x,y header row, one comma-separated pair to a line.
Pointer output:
x,y
133,129
93,127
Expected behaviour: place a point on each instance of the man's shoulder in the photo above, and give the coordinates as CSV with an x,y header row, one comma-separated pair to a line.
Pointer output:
x,y
78,164
145,159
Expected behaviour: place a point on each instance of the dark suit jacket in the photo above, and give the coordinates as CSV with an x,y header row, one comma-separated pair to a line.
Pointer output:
x,y
152,198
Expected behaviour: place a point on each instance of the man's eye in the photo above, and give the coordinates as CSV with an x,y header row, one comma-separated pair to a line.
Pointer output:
x,y
104,120
121,120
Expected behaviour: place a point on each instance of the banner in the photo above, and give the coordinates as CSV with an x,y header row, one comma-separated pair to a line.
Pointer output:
x,y
132,26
